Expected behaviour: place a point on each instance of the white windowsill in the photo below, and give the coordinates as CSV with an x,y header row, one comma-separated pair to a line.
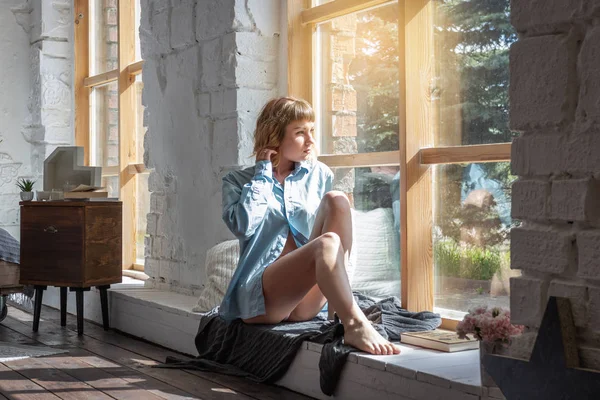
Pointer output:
x,y
135,274
165,318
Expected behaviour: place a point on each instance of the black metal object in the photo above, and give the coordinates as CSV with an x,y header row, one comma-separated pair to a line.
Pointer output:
x,y
37,307
79,304
552,372
104,305
63,306
3,308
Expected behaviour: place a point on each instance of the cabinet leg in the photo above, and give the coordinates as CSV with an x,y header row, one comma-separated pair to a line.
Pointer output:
x,y
79,303
63,306
104,304
37,308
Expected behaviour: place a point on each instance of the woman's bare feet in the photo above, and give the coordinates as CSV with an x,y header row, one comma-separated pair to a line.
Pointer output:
x,y
363,336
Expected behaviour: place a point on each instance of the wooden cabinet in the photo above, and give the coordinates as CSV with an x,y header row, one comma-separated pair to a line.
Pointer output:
x,y
71,243
75,244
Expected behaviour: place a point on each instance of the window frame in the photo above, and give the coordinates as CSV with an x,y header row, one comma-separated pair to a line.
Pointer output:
x,y
421,152
125,74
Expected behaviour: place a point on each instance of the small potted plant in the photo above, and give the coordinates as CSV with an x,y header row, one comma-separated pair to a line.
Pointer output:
x,y
492,327
26,187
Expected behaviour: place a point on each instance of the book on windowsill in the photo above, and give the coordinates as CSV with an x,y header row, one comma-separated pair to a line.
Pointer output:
x,y
439,339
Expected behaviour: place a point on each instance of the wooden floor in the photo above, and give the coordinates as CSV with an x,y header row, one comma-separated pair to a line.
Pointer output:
x,y
108,365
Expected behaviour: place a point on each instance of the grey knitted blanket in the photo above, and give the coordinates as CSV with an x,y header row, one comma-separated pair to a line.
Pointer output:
x,y
10,249
263,353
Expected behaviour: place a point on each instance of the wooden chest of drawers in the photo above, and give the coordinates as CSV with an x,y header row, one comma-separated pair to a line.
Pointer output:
x,y
71,243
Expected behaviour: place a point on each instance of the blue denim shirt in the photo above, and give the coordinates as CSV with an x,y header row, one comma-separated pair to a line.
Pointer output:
x,y
261,213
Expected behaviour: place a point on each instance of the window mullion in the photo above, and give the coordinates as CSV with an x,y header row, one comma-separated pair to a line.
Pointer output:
x,y
101,79
337,8
417,267
82,70
127,148
465,154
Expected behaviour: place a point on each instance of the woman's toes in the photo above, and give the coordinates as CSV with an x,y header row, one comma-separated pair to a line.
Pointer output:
x,y
383,349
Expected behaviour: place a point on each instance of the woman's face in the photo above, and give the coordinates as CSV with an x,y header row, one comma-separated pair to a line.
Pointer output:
x,y
298,141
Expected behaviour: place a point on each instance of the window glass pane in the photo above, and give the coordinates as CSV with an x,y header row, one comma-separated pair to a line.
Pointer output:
x,y
140,129
111,184
471,88
375,195
142,208
357,73
471,242
104,36
104,123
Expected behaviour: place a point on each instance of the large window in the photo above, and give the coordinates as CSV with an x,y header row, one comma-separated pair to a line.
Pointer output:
x,y
109,113
412,101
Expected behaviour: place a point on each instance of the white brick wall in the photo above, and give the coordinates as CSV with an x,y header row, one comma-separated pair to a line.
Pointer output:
x,y
530,199
538,155
542,81
14,149
555,103
527,295
209,67
576,200
36,95
545,15
588,245
589,95
542,250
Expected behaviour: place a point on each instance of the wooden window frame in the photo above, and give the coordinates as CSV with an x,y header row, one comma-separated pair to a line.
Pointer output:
x,y
125,76
415,134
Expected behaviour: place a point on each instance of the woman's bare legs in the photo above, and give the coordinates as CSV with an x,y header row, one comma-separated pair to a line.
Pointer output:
x,y
294,284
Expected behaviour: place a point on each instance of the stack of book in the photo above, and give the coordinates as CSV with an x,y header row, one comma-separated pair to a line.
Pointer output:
x,y
439,339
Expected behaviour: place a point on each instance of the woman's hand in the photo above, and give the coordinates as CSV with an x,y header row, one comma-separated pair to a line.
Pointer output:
x,y
265,155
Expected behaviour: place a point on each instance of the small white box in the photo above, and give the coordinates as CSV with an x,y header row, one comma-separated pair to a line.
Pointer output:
x,y
65,164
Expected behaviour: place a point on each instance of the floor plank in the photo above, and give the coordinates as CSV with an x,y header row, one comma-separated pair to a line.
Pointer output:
x,y
54,380
150,384
266,392
162,390
115,387
15,386
10,336
159,354
183,380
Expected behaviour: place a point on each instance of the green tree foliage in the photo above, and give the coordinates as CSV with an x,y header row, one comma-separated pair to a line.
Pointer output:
x,y
471,78
474,38
374,74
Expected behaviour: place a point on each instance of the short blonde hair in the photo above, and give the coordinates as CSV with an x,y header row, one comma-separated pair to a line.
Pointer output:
x,y
275,116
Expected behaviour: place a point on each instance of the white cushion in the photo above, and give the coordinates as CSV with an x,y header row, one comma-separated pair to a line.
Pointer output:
x,y
221,261
376,245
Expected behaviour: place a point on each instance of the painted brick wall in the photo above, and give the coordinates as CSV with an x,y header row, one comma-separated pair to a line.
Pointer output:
x,y
209,67
36,96
555,104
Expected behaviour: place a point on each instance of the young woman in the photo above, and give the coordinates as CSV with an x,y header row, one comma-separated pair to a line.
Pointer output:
x,y
295,233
